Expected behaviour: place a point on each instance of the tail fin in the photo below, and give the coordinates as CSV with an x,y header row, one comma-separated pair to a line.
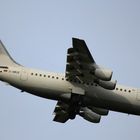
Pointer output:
x,y
5,58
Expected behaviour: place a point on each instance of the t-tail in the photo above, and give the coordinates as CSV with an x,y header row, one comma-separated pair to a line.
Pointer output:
x,y
5,58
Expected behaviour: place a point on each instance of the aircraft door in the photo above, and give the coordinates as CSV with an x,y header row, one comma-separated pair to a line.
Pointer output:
x,y
24,75
138,95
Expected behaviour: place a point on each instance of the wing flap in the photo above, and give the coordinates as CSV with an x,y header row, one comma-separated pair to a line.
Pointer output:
x,y
61,112
62,117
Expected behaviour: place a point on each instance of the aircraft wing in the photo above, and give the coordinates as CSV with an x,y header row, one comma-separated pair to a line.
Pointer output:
x,y
82,68
80,62
63,112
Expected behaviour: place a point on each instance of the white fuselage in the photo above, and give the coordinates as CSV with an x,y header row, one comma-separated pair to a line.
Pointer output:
x,y
55,86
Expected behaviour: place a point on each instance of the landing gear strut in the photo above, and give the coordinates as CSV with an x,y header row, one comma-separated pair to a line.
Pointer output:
x,y
75,104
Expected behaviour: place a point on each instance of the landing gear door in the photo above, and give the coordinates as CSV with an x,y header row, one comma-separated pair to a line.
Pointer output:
x,y
78,90
24,75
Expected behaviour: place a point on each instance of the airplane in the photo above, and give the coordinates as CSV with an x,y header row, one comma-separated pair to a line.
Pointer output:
x,y
85,89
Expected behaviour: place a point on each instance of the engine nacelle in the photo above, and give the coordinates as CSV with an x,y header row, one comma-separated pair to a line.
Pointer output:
x,y
103,74
99,111
89,115
108,84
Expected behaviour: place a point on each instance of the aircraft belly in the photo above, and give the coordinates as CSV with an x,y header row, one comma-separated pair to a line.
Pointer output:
x,y
50,90
110,100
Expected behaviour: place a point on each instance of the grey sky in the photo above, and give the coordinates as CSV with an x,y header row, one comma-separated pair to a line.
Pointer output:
x,y
37,33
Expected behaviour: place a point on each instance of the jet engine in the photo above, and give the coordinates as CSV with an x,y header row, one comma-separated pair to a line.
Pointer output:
x,y
89,115
108,84
103,74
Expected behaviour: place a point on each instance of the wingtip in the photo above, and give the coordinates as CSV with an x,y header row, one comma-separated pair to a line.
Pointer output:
x,y
1,42
74,38
77,39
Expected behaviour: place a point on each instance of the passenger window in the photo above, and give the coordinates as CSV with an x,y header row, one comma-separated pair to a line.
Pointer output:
x,y
36,74
49,76
129,91
44,75
62,78
57,78
40,75
52,76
